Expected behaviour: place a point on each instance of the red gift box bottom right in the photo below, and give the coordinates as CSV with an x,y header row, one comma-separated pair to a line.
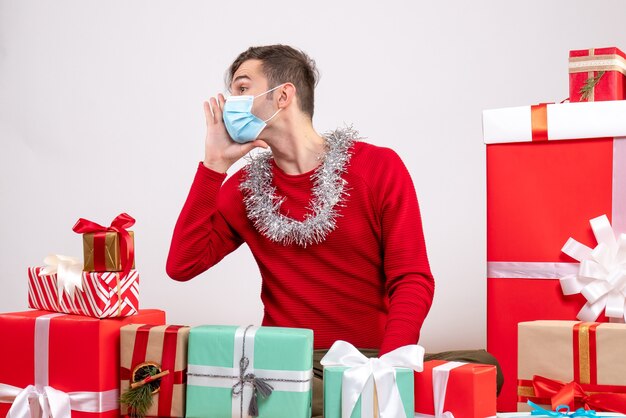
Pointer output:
x,y
470,392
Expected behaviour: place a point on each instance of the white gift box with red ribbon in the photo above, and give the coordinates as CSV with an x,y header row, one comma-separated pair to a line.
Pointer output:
x,y
564,121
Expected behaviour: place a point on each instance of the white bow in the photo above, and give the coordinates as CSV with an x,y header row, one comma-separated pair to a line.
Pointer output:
x,y
601,278
382,370
50,402
69,271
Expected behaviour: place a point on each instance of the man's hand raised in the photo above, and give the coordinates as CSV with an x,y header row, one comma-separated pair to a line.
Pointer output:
x,y
220,151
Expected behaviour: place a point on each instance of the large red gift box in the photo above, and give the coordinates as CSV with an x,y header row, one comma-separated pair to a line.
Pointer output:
x,y
103,294
63,360
603,68
465,390
541,190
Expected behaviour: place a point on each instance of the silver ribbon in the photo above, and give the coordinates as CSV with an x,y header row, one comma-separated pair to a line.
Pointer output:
x,y
245,381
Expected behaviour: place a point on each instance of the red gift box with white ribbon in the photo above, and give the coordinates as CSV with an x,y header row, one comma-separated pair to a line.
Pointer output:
x,y
62,365
550,170
452,388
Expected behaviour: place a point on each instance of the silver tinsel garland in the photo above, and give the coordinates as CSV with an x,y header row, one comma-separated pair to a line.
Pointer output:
x,y
329,190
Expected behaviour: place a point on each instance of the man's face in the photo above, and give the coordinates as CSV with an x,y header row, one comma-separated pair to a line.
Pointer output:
x,y
249,80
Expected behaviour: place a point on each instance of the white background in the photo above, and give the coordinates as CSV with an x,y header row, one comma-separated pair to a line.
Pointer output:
x,y
101,113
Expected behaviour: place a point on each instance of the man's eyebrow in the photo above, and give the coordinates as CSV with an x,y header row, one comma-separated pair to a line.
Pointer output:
x,y
240,77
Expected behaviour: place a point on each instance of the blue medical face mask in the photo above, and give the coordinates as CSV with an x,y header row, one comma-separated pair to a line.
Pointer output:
x,y
241,124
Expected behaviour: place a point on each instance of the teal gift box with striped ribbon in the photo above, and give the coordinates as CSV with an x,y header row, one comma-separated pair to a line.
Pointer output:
x,y
238,371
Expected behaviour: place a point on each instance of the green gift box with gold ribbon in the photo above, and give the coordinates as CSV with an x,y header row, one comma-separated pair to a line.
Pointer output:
x,y
242,371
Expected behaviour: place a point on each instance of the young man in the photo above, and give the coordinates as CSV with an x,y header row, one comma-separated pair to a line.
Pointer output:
x,y
332,222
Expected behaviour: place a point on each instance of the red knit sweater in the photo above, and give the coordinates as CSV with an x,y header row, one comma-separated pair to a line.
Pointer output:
x,y
368,283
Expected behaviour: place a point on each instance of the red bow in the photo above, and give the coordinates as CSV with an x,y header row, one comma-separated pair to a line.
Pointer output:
x,y
119,225
573,395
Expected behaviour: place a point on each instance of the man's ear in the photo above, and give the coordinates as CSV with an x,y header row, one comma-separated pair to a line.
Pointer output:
x,y
287,94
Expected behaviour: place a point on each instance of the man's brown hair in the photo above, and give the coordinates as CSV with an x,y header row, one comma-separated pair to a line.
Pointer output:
x,y
283,64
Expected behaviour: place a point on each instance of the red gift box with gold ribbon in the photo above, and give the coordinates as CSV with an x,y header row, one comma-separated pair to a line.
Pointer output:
x,y
578,364
550,170
149,349
597,74
62,364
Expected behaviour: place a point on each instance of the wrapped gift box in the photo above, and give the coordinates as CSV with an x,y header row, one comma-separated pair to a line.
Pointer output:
x,y
356,386
102,251
550,169
465,390
103,295
597,74
279,357
551,354
165,348
109,248
333,376
44,352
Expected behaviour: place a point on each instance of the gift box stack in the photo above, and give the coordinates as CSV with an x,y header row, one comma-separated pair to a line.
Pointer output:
x,y
556,249
88,350
107,286
62,358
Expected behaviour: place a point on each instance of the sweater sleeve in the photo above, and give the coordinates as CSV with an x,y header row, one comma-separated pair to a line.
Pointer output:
x,y
409,282
202,236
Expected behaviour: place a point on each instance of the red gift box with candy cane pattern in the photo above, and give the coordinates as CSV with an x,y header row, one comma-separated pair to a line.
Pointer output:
x,y
99,294
550,170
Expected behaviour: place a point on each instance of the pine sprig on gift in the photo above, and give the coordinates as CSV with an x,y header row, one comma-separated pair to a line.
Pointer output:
x,y
139,399
586,90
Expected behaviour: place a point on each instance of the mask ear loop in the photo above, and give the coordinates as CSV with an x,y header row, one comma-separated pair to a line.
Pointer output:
x,y
272,89
272,117
279,109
